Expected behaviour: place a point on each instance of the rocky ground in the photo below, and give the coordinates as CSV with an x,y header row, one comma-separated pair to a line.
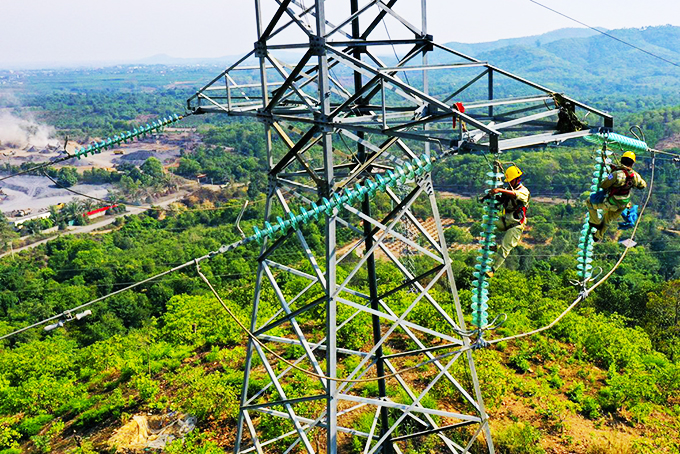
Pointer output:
x,y
38,193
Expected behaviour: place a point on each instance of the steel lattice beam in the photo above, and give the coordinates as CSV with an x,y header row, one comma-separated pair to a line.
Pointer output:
x,y
344,115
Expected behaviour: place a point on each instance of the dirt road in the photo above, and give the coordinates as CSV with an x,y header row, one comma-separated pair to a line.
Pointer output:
x,y
131,210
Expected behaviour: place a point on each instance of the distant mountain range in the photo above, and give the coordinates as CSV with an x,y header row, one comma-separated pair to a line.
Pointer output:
x,y
578,61
590,65
471,49
527,41
581,62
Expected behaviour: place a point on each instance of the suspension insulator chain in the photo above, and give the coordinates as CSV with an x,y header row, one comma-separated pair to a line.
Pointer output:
x,y
585,244
610,138
155,126
480,286
401,174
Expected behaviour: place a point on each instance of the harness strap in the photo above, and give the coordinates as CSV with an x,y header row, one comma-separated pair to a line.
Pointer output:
x,y
627,185
523,210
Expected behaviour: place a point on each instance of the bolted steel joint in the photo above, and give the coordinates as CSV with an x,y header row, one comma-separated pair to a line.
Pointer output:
x,y
317,45
271,183
323,189
324,122
265,117
260,49
426,183
428,41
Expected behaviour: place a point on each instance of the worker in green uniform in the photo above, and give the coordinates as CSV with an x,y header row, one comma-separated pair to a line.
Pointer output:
x,y
614,196
515,200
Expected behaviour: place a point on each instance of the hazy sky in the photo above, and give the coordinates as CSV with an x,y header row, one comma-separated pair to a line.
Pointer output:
x,y
65,31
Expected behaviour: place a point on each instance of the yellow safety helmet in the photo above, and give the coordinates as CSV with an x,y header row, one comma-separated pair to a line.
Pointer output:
x,y
511,173
630,155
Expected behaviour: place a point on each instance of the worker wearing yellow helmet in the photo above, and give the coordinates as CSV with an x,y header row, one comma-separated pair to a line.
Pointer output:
x,y
614,195
515,200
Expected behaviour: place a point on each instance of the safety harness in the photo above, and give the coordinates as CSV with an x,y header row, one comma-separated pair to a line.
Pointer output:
x,y
523,211
623,190
517,208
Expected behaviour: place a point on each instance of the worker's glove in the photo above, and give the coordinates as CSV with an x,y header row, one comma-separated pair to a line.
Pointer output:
x,y
497,198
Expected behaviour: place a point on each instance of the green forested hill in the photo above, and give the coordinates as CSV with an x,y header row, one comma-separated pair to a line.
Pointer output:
x,y
528,41
598,68
605,380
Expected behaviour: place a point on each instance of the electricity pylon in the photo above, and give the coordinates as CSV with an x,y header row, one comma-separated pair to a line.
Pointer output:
x,y
321,84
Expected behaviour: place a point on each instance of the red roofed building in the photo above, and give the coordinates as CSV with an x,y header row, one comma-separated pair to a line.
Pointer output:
x,y
98,212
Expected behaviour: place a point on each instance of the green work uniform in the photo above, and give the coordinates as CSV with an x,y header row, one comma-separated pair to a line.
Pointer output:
x,y
512,223
614,204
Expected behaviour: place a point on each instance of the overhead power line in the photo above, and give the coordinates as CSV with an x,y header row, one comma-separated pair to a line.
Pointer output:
x,y
96,148
77,308
37,167
607,34
60,186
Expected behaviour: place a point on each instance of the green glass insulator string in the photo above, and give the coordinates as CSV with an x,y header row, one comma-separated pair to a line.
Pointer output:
x,y
600,170
401,174
127,136
584,254
480,286
624,142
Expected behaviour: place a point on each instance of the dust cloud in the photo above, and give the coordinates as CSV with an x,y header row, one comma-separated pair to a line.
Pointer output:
x,y
22,132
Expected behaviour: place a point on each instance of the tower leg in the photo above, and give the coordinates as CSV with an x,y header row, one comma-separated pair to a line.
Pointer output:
x,y
461,323
249,348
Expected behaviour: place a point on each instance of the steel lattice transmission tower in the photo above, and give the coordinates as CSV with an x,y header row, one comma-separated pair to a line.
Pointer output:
x,y
321,84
